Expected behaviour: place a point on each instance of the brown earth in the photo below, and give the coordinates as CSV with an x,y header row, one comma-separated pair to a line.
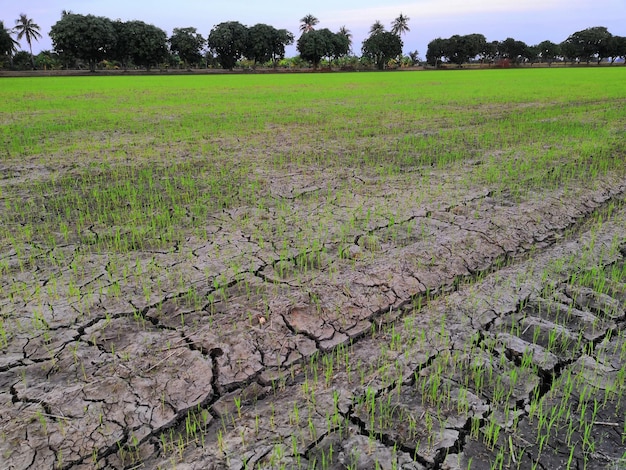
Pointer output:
x,y
230,352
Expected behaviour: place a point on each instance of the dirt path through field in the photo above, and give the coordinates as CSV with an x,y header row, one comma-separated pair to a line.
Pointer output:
x,y
458,333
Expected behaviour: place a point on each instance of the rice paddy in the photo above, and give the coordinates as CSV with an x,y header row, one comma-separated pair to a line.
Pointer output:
x,y
360,270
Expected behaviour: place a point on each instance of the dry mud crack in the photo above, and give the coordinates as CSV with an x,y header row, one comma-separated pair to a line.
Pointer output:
x,y
480,334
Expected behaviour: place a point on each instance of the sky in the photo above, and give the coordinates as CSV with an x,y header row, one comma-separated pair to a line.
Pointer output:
x,y
531,21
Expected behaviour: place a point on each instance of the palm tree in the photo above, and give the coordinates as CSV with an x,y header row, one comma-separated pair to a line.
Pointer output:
x,y
400,25
377,27
308,23
26,28
8,45
348,35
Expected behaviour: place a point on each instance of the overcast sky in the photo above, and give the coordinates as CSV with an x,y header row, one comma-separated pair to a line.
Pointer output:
x,y
531,21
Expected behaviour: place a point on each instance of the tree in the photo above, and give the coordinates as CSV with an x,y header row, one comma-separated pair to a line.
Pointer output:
x,y
348,35
341,45
8,45
531,54
228,40
616,48
459,49
266,43
211,59
476,45
590,43
548,51
316,44
260,45
26,28
380,47
146,44
569,51
455,50
22,61
282,39
47,60
86,37
187,44
512,50
489,52
377,27
308,23
435,51
400,25
120,50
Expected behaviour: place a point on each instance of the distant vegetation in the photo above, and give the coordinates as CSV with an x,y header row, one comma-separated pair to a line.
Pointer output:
x,y
591,44
96,42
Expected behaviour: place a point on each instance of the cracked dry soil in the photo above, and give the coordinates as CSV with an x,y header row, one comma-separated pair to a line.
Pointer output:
x,y
453,337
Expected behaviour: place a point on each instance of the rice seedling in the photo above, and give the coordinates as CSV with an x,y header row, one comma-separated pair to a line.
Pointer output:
x,y
223,193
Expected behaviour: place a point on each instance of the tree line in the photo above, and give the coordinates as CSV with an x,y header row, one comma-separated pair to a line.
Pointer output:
x,y
95,40
591,44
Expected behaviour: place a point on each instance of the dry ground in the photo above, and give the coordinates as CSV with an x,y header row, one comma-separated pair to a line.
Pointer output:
x,y
230,351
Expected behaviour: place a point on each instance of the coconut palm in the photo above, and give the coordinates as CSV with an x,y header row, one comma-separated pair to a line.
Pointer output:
x,y
308,23
377,27
26,28
8,45
348,35
400,25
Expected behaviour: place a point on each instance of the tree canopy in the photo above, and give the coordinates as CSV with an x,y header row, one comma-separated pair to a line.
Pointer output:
x,y
380,47
26,28
616,48
344,31
457,49
86,37
435,51
588,44
8,45
316,44
548,51
461,49
308,23
229,41
400,25
267,43
377,27
187,44
513,50
146,44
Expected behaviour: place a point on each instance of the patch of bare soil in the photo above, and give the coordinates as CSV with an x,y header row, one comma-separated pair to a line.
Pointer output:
x,y
425,343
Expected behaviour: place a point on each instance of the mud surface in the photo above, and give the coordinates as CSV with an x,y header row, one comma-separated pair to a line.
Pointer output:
x,y
463,332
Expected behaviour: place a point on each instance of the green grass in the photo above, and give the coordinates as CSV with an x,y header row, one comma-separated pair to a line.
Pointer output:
x,y
83,117
144,156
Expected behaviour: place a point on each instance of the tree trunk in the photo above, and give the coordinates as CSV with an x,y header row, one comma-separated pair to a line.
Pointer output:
x,y
32,58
